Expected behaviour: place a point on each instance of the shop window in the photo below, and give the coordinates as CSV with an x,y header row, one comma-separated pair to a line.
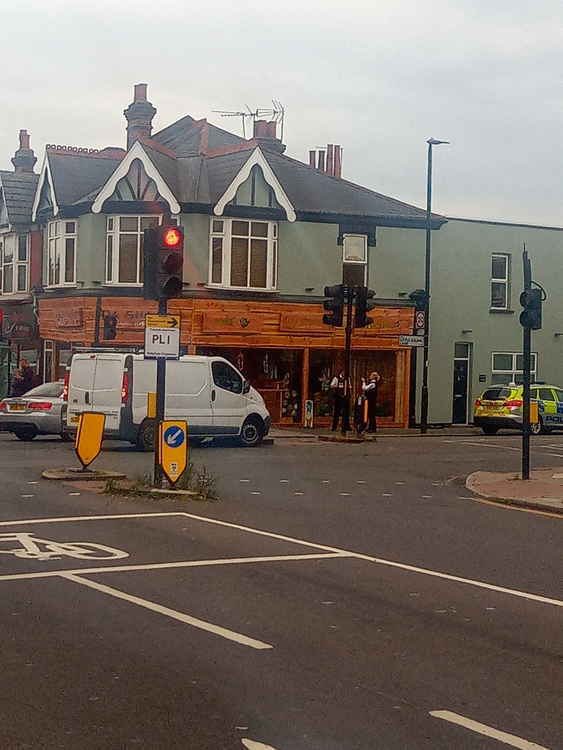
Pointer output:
x,y
507,367
500,277
124,248
61,253
354,259
243,254
14,263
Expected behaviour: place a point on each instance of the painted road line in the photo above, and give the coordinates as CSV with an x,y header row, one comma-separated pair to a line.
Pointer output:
x,y
507,506
64,519
230,635
475,726
251,745
534,448
381,561
164,566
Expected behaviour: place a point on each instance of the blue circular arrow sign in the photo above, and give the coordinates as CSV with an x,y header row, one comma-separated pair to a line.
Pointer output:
x,y
174,437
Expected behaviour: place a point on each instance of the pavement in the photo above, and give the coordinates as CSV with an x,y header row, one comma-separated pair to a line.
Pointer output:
x,y
544,489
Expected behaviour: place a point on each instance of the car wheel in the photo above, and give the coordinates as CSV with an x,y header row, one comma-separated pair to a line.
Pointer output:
x,y
252,432
537,428
490,430
25,433
146,437
66,437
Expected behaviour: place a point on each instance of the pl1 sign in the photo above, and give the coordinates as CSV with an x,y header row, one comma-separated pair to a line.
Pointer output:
x,y
162,336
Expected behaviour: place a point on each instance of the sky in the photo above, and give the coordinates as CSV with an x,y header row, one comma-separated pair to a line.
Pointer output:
x,y
379,78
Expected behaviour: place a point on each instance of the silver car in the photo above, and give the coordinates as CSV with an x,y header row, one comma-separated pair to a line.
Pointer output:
x,y
40,411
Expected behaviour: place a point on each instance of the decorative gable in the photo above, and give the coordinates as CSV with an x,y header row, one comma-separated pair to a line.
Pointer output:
x,y
45,200
3,209
45,203
255,191
245,175
136,185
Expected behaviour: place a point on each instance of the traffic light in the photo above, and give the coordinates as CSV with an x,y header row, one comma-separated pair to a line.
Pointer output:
x,y
163,258
110,327
531,301
419,297
334,305
364,304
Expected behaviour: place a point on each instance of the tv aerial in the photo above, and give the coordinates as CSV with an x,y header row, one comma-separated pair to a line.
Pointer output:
x,y
275,113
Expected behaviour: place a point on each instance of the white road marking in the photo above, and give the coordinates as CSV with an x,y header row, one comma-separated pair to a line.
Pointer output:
x,y
475,726
399,483
360,481
426,497
63,519
535,448
251,745
255,493
284,481
298,493
163,566
387,494
30,547
381,561
345,494
244,480
28,495
230,635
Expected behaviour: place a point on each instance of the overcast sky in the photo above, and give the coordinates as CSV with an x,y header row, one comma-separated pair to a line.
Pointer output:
x,y
377,77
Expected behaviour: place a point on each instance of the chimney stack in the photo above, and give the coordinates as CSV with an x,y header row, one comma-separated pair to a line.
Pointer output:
x,y
265,134
332,165
24,159
139,115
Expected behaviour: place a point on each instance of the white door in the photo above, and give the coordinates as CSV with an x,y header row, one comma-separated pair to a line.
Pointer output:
x,y
108,383
229,404
188,395
81,386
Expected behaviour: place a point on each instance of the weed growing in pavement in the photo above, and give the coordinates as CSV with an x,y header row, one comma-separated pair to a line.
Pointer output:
x,y
199,482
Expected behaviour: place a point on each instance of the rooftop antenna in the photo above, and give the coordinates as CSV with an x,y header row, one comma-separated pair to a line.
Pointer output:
x,y
276,113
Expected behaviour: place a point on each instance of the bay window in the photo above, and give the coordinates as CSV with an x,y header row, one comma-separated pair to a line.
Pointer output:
x,y
61,253
243,254
14,263
124,247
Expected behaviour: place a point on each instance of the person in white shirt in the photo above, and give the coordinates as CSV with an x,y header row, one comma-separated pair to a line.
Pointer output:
x,y
370,391
340,393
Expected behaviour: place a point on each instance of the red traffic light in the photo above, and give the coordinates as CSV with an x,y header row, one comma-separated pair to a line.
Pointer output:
x,y
172,237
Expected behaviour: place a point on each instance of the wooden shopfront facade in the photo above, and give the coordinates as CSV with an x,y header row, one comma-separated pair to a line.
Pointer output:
x,y
282,348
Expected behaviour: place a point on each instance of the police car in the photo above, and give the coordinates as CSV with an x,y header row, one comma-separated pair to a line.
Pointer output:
x,y
500,406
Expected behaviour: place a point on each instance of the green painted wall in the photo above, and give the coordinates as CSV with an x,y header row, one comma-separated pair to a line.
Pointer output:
x,y
309,256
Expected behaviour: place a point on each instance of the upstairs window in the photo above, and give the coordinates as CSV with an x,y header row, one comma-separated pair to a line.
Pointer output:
x,y
124,248
354,259
14,263
500,277
61,252
243,254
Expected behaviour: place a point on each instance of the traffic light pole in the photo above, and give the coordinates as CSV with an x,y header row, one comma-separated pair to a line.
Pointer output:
x,y
526,353
348,359
160,402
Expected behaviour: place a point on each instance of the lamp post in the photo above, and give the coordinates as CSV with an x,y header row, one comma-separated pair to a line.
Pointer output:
x,y
424,397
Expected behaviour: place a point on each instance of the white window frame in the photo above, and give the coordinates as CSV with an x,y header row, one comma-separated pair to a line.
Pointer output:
x,y
514,371
226,235
57,235
114,220
355,260
497,280
16,264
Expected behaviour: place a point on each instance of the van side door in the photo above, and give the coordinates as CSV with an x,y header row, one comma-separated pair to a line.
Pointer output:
x,y
229,404
188,395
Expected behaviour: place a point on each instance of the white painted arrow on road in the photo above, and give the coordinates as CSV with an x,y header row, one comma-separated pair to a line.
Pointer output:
x,y
251,745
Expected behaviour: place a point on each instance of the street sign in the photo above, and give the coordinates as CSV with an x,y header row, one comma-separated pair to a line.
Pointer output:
x,y
162,336
411,340
419,319
173,448
89,437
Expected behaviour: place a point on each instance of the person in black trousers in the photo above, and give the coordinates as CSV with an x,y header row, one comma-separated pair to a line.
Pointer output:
x,y
370,392
340,393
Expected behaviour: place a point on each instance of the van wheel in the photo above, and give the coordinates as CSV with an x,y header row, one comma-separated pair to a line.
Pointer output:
x,y
66,437
252,432
490,430
25,433
146,436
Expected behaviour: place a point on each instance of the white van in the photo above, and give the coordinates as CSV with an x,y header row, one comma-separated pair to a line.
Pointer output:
x,y
208,392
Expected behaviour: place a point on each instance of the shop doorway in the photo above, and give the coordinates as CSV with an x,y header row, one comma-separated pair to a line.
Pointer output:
x,y
462,362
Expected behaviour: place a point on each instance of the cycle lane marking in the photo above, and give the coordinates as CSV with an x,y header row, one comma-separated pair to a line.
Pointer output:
x,y
496,734
230,635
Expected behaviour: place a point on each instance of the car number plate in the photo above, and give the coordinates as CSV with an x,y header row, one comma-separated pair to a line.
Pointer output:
x,y
17,407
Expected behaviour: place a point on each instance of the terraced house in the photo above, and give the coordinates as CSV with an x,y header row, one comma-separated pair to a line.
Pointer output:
x,y
264,234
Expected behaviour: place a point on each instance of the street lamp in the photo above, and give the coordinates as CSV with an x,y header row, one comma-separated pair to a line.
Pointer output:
x,y
424,399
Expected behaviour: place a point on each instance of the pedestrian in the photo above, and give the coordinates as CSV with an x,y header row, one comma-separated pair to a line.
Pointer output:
x,y
340,391
370,392
23,379
360,414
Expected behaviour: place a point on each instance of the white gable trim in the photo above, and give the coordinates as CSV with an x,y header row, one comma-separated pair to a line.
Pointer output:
x,y
136,152
257,157
45,175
